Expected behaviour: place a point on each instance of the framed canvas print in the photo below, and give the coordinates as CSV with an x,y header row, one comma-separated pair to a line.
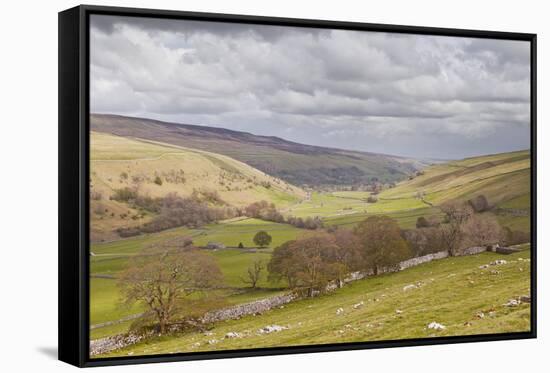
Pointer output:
x,y
234,186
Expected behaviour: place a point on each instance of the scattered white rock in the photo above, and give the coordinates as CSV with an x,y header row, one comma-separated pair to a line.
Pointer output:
x,y
484,266
347,326
436,326
498,262
208,334
196,344
357,305
399,312
410,287
520,259
480,315
493,272
232,335
213,341
512,303
271,328
340,311
492,314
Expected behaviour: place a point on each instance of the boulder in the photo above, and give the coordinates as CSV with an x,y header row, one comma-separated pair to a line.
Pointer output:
x,y
436,326
232,335
357,305
512,303
271,329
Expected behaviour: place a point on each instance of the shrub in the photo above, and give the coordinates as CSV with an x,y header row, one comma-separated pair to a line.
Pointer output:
x,y
422,222
95,195
479,203
128,232
372,199
158,180
125,194
241,246
262,239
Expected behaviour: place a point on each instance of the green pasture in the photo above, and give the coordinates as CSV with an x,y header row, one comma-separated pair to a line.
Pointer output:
x,y
454,292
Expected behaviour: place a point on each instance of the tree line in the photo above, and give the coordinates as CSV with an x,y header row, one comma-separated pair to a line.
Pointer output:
x,y
268,211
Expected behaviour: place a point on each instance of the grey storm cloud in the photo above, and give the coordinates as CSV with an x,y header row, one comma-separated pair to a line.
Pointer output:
x,y
416,95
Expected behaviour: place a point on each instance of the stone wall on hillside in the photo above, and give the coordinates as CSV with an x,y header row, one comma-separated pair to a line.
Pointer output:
x,y
473,250
422,259
251,308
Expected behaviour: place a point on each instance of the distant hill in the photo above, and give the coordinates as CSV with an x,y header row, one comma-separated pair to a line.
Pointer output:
x,y
295,163
504,179
156,169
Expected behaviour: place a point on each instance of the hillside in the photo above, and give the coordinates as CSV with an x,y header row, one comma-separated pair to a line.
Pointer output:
x,y
295,163
503,178
156,169
454,292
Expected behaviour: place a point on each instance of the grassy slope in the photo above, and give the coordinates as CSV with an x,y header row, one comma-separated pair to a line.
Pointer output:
x,y
339,208
503,178
454,291
110,258
117,161
296,163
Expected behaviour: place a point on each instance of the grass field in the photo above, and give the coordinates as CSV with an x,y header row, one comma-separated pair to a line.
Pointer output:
x,y
118,162
454,292
503,178
296,163
110,258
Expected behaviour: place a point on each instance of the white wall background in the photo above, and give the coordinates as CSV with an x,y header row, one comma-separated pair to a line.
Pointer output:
x,y
28,187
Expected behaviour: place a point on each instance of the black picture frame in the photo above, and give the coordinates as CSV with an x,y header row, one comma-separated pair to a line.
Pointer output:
x,y
74,183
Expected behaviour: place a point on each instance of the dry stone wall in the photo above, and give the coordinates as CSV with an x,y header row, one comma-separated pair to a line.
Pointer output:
x,y
251,308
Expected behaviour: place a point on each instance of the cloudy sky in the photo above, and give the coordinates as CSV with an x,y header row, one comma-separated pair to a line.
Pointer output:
x,y
413,95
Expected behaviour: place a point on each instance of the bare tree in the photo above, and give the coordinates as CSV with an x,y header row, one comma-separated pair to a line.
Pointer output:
x,y
452,233
162,278
254,273
481,230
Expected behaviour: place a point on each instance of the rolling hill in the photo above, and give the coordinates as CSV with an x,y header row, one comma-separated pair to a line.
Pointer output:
x,y
156,169
504,179
295,163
